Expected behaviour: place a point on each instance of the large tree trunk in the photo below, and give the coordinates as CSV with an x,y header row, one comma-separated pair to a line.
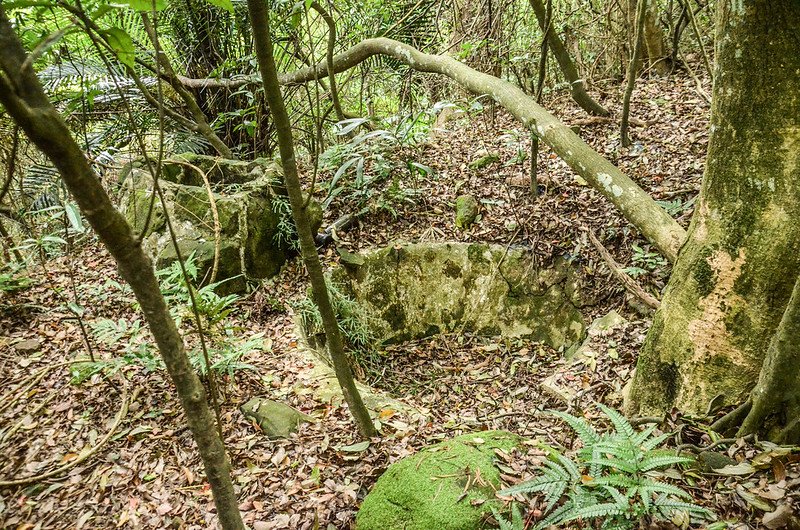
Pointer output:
x,y
24,99
733,278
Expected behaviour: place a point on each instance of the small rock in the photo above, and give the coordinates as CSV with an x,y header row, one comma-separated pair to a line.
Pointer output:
x,y
608,322
780,518
484,161
27,346
557,390
277,420
710,460
467,208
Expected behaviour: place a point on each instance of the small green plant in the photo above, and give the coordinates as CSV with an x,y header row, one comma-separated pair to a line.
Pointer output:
x,y
286,233
223,340
613,478
13,280
354,322
644,261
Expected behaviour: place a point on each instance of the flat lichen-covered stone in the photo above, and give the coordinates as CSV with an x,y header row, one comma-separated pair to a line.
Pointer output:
x,y
419,290
448,486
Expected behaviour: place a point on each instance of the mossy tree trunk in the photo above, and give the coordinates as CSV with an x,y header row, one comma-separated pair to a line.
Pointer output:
x,y
774,406
734,276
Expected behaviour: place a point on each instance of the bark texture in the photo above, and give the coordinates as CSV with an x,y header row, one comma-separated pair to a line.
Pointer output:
x,y
25,100
636,205
733,278
651,38
259,15
775,410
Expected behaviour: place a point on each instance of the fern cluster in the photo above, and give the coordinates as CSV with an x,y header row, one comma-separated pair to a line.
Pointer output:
x,y
610,479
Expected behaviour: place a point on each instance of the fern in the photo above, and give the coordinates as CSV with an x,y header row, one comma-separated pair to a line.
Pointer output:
x,y
609,479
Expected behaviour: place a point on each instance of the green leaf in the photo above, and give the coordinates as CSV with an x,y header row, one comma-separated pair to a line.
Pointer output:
x,y
227,5
122,44
145,5
355,448
74,216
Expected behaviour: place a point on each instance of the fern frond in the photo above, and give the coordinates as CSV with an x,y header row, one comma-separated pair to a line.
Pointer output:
x,y
603,509
660,459
621,423
556,517
616,481
586,433
552,483
642,437
666,506
616,463
648,486
567,464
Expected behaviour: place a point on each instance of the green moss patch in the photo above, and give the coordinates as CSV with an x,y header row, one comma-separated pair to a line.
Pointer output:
x,y
448,486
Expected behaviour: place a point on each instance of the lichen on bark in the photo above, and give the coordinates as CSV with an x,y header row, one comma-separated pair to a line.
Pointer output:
x,y
733,277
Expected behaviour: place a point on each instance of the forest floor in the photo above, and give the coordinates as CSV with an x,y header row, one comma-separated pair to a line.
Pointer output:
x,y
148,473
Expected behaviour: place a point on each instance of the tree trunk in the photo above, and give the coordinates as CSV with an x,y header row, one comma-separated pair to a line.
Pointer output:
x,y
775,402
652,38
632,74
733,278
25,100
561,54
259,15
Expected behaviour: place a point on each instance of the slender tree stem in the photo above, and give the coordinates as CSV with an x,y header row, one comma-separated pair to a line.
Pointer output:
x,y
259,16
24,99
632,71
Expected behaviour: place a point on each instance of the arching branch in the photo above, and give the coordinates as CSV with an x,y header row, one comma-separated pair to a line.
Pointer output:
x,y
633,202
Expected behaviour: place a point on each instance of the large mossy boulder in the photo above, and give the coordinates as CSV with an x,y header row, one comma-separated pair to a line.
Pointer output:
x,y
448,486
418,290
252,215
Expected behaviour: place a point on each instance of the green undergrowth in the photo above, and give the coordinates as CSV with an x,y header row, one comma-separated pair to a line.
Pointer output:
x,y
224,341
615,479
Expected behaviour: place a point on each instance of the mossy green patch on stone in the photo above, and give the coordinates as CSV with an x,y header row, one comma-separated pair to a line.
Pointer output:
x,y
487,289
243,222
467,208
448,486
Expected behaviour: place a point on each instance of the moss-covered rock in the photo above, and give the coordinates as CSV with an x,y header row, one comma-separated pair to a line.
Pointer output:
x,y
448,486
276,419
413,291
254,221
467,208
484,161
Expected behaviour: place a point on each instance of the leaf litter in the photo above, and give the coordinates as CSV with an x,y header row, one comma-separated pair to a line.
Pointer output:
x,y
148,475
